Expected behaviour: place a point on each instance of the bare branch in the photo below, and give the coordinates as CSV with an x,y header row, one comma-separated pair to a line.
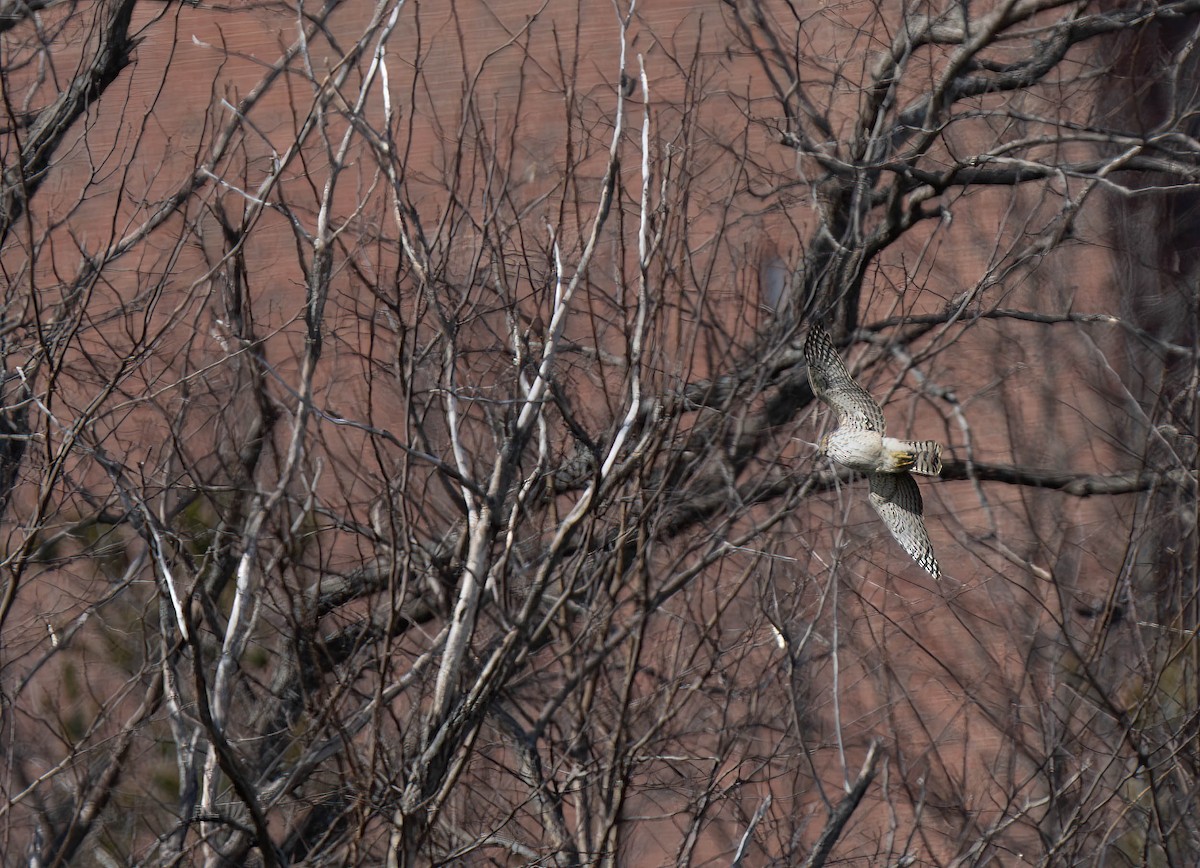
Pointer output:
x,y
845,809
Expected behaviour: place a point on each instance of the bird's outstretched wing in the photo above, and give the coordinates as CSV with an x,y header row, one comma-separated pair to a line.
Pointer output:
x,y
897,499
832,383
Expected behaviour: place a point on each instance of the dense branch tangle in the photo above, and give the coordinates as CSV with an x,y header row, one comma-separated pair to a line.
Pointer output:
x,y
480,518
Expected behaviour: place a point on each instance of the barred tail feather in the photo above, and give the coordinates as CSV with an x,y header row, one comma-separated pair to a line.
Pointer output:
x,y
927,457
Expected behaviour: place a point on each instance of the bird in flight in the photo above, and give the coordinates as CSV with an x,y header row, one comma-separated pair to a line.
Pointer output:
x,y
860,443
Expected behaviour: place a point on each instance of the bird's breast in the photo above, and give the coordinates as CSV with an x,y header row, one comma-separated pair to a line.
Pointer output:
x,y
857,449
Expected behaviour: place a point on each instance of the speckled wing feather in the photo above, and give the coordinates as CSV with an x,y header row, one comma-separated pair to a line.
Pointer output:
x,y
897,499
832,383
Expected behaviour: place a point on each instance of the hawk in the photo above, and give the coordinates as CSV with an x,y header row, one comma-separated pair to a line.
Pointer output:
x,y
859,442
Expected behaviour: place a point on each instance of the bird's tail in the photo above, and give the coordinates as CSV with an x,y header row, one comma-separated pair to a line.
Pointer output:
x,y
925,456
